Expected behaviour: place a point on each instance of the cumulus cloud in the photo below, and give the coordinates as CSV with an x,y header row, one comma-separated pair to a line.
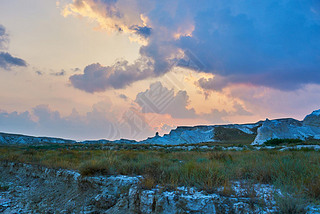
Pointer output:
x,y
111,15
4,39
216,116
217,83
132,17
60,73
142,31
123,96
16,122
272,43
159,99
274,103
40,73
6,59
99,123
97,78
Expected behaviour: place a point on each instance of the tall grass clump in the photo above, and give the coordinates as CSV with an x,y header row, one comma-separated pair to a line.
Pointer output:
x,y
277,141
288,204
298,172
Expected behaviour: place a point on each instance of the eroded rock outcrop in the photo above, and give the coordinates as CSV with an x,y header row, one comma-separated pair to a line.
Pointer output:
x,y
36,189
289,129
312,119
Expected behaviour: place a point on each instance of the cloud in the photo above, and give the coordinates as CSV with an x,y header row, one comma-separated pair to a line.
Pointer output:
x,y
222,116
40,73
16,122
128,17
60,73
274,103
159,99
76,69
217,83
111,15
98,78
7,60
239,110
165,128
4,39
216,116
2,30
99,123
272,43
142,31
123,96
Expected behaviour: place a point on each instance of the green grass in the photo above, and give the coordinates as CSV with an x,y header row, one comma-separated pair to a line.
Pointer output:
x,y
231,135
277,142
3,188
297,172
290,142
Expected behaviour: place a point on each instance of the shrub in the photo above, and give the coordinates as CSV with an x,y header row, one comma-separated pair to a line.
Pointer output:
x,y
288,204
300,170
148,183
313,187
277,141
3,188
222,156
93,167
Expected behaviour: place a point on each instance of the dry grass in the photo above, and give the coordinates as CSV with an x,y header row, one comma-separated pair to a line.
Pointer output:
x,y
298,171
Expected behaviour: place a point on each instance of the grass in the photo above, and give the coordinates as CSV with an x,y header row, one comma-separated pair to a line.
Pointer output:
x,y
290,204
290,142
231,135
296,171
3,188
277,142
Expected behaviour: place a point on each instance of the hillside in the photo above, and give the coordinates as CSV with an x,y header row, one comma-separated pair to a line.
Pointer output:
x,y
254,133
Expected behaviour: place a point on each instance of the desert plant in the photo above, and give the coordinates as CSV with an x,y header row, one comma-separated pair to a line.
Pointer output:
x,y
3,188
277,141
289,204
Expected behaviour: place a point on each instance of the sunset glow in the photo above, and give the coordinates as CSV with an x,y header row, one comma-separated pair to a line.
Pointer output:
x,y
92,69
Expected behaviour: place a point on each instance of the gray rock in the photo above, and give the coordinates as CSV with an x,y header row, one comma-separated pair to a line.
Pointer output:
x,y
65,191
105,200
312,119
288,129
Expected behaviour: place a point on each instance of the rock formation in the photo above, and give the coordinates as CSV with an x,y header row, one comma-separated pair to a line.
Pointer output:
x,y
289,129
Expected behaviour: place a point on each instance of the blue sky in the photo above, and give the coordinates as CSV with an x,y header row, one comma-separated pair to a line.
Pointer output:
x,y
90,69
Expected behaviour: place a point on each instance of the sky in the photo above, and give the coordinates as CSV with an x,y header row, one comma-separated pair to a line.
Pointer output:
x,y
111,69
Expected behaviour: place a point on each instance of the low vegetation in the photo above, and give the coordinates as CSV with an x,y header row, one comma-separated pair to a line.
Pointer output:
x,y
298,172
3,188
291,142
232,135
277,142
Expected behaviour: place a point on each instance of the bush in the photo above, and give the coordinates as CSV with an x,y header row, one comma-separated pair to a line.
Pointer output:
x,y
3,188
300,170
288,204
93,167
313,187
277,141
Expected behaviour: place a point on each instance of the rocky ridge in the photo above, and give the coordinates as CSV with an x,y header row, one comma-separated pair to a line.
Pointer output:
x,y
34,189
289,129
256,133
